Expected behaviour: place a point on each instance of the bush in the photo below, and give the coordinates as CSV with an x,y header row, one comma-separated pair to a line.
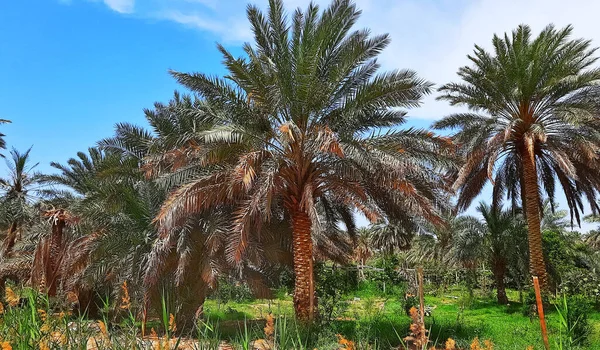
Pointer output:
x,y
530,304
231,290
332,285
582,282
573,314
578,318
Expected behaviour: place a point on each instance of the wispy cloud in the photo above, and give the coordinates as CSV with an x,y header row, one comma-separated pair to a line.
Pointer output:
x,y
432,37
121,6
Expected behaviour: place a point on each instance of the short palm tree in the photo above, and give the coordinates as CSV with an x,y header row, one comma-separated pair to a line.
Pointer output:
x,y
592,238
297,125
534,122
503,238
18,192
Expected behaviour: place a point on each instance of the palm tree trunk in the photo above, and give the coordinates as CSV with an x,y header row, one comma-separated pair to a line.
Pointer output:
x,y
305,303
56,239
499,272
11,238
529,184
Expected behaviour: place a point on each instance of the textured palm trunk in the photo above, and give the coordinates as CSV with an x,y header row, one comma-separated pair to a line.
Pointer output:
x,y
56,239
529,185
499,273
305,303
11,238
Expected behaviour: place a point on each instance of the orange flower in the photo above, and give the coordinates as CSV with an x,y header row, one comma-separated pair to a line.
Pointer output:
x,y
270,327
450,344
475,344
102,327
172,324
6,346
1,308
72,298
345,344
125,299
418,332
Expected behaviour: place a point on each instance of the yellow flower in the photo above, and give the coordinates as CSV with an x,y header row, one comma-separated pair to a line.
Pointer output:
x,y
11,297
45,328
42,314
59,337
44,345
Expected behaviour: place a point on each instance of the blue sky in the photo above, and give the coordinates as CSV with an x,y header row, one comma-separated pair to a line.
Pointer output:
x,y
71,69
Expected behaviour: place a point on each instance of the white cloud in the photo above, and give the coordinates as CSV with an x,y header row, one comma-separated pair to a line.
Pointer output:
x,y
432,37
122,6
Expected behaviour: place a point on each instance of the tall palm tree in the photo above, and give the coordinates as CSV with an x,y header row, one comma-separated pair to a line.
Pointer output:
x,y
534,121
296,124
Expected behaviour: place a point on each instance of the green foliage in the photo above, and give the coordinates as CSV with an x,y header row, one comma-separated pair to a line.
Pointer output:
x,y
229,289
332,285
574,323
583,282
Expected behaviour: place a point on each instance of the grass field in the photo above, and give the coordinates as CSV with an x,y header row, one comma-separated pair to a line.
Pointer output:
x,y
372,318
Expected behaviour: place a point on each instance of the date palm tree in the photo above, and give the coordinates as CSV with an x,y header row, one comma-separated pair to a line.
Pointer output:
x,y
533,122
2,141
503,238
297,124
19,190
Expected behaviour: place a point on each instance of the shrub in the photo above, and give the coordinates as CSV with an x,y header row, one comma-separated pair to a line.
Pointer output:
x,y
230,290
579,309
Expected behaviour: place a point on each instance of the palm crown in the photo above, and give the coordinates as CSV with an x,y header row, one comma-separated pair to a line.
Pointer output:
x,y
297,124
534,122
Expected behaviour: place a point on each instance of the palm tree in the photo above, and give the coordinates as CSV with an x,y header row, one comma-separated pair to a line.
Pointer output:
x,y
592,238
504,235
296,125
19,191
2,141
363,249
534,121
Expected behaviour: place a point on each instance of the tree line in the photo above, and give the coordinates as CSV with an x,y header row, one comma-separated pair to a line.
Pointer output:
x,y
264,168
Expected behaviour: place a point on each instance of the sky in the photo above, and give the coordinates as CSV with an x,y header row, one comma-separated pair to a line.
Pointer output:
x,y
71,69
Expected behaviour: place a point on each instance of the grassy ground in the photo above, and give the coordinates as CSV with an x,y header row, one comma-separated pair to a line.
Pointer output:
x,y
375,317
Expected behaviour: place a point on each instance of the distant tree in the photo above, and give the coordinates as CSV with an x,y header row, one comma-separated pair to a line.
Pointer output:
x,y
18,192
363,249
534,121
2,141
505,237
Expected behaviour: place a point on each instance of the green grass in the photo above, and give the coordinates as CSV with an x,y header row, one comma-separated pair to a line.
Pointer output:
x,y
368,318
377,317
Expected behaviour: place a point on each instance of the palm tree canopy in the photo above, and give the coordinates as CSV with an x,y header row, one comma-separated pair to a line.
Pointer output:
x,y
538,91
21,187
298,122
